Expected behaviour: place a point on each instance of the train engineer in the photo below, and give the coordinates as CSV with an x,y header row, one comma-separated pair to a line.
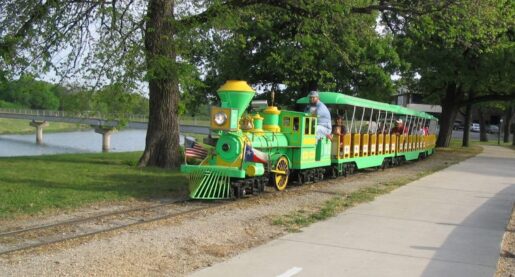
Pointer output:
x,y
319,109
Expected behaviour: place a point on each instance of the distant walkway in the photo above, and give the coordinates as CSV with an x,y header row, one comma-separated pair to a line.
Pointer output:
x,y
447,224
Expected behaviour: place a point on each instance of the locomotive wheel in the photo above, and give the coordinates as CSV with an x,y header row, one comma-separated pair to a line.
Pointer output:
x,y
281,173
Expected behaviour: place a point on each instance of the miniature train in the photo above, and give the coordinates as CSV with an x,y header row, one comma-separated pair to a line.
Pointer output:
x,y
277,147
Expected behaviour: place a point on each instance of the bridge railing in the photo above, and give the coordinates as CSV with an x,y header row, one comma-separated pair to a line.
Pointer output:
x,y
75,114
187,120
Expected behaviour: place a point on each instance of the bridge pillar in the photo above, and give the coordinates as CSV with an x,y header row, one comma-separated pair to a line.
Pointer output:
x,y
39,129
106,133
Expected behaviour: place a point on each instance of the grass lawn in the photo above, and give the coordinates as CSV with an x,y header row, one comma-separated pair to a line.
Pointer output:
x,y
456,143
21,126
35,185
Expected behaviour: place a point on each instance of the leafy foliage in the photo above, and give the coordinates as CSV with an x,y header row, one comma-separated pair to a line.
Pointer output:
x,y
30,93
186,49
463,54
292,53
27,92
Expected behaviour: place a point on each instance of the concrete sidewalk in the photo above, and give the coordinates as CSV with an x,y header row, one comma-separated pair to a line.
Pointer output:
x,y
447,224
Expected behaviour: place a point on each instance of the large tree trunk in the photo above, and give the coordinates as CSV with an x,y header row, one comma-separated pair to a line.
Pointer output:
x,y
466,126
482,125
162,142
449,112
507,123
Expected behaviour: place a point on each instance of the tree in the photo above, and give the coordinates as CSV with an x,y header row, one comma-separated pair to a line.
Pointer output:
x,y
74,98
507,121
118,101
119,42
327,51
30,93
465,49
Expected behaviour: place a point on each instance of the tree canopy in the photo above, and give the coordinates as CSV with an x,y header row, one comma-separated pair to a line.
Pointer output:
x,y
271,46
185,49
463,54
30,93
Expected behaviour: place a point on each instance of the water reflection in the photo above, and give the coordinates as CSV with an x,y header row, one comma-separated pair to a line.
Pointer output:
x,y
71,142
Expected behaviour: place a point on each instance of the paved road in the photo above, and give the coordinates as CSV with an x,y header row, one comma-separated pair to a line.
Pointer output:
x,y
447,224
458,134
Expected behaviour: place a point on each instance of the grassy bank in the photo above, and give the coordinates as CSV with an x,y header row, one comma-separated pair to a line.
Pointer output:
x,y
456,143
34,185
21,126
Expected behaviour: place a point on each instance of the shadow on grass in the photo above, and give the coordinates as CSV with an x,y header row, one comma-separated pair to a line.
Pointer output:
x,y
130,159
123,185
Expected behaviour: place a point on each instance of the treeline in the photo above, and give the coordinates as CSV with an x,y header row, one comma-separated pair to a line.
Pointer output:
x,y
30,93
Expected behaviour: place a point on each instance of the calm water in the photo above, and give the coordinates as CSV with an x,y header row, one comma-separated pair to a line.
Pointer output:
x,y
71,142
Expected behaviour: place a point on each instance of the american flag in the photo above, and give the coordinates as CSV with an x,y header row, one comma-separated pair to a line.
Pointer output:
x,y
193,149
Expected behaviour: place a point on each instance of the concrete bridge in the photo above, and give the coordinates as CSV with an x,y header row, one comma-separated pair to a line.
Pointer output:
x,y
103,124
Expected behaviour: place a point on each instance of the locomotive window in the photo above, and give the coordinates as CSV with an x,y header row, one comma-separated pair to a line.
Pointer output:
x,y
295,124
306,126
313,126
286,122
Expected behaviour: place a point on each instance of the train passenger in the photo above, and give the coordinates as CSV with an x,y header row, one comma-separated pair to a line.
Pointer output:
x,y
319,109
373,127
399,128
339,127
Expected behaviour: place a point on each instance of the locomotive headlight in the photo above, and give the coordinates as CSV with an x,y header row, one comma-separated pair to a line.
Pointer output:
x,y
220,118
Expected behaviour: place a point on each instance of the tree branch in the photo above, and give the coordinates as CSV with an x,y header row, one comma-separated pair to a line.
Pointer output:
x,y
488,98
216,10
384,6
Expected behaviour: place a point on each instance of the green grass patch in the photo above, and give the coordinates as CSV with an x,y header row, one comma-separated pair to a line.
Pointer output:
x,y
199,121
295,221
21,126
458,142
34,185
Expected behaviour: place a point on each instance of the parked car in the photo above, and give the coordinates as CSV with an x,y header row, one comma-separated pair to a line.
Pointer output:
x,y
474,127
457,125
493,129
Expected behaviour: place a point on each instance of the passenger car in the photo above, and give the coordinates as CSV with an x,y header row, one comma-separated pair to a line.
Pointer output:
x,y
474,127
493,129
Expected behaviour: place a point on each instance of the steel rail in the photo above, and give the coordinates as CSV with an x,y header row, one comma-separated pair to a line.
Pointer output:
x,y
292,190
138,221
86,219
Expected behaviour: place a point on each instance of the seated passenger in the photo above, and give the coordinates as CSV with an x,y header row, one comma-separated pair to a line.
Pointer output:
x,y
339,127
399,128
373,127
319,109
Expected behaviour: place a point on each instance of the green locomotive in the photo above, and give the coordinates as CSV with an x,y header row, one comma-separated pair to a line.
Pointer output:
x,y
275,147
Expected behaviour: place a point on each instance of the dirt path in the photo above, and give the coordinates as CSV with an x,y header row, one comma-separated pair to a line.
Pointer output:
x,y
179,246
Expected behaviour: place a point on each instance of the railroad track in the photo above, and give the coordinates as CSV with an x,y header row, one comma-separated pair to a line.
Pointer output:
x,y
42,235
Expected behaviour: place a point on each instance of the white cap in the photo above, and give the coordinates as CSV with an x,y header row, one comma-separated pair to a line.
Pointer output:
x,y
313,94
